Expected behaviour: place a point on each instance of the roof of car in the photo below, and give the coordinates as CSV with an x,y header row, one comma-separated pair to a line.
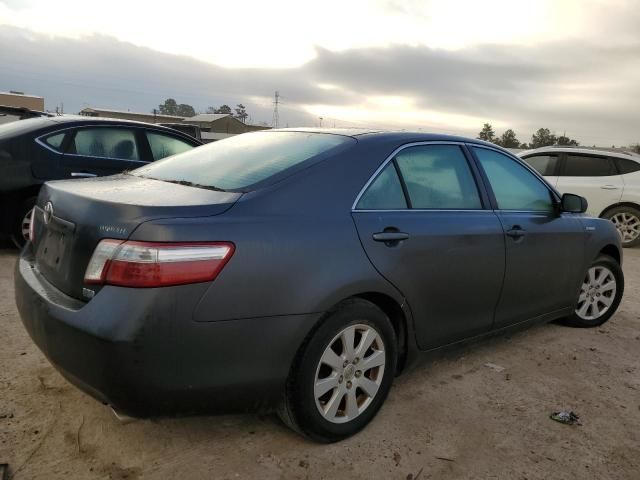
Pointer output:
x,y
583,151
392,135
87,119
34,124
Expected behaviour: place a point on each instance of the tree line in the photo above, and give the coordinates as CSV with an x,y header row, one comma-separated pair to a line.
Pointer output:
x,y
542,138
171,107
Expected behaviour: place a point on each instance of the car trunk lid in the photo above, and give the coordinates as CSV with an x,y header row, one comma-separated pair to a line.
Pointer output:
x,y
73,216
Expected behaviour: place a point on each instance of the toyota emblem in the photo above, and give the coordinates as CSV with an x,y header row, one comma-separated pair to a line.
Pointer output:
x,y
48,212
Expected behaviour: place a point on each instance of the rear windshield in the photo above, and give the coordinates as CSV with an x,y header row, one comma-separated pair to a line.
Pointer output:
x,y
240,162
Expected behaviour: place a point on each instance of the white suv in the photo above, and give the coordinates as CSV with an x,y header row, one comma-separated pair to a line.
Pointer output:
x,y
610,181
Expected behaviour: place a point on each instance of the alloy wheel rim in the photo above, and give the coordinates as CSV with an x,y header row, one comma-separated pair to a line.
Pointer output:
x,y
597,293
25,226
349,373
628,226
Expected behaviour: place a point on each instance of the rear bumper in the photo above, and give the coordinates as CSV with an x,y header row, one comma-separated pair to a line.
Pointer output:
x,y
140,350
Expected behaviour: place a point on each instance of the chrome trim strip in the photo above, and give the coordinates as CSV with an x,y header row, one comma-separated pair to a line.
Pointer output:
x,y
83,175
453,210
389,159
161,130
430,210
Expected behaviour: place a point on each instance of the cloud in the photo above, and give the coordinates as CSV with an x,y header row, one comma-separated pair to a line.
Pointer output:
x,y
589,90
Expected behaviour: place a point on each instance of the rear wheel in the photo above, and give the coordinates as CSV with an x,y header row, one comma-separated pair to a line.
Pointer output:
x,y
600,293
627,221
342,373
21,222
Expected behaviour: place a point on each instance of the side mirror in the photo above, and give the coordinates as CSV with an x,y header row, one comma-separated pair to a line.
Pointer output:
x,y
573,203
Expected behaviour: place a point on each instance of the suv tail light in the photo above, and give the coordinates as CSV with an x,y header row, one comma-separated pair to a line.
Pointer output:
x,y
151,264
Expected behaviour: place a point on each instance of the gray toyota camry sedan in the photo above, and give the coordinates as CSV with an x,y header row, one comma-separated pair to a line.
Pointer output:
x,y
301,270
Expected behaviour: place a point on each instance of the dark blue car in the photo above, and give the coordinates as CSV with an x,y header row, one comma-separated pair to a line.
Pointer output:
x,y
35,150
301,270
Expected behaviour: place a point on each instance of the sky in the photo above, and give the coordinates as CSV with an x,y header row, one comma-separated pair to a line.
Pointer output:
x,y
434,65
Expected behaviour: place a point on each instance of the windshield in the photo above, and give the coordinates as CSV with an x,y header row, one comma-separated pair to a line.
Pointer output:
x,y
239,162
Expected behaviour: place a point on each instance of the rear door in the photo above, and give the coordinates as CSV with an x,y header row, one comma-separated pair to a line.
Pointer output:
x,y
546,164
594,177
424,223
103,150
544,248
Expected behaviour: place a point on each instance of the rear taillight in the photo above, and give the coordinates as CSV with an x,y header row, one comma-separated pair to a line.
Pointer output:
x,y
150,264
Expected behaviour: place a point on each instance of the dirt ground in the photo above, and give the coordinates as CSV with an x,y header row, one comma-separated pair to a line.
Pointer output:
x,y
449,418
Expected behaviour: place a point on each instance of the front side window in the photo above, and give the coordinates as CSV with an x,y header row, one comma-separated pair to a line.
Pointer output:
x,y
164,146
514,187
588,166
545,165
105,142
438,177
385,193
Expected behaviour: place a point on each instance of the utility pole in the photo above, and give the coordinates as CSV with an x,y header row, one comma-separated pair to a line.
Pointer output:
x,y
276,115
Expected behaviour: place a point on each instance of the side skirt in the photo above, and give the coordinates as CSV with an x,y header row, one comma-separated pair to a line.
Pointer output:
x,y
422,355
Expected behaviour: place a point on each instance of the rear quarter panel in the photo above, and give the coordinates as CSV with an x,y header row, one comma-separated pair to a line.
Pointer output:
x,y
297,249
631,193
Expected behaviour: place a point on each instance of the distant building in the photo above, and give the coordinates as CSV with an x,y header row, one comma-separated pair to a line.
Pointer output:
x,y
140,117
221,123
19,99
213,126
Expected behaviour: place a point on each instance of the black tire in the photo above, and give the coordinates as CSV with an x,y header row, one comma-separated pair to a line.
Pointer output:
x,y
299,410
610,263
628,210
16,223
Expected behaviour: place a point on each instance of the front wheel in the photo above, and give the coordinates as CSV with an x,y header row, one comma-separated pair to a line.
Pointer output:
x,y
342,374
600,293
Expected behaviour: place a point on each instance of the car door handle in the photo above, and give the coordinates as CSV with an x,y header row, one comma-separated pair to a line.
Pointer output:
x,y
390,236
83,175
609,187
516,232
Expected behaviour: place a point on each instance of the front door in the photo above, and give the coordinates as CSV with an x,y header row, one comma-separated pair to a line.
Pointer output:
x,y
424,224
544,249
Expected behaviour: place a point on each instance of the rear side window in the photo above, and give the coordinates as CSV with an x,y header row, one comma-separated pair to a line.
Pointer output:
x,y
105,142
385,193
438,177
55,141
164,146
514,187
241,161
588,166
627,165
545,165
